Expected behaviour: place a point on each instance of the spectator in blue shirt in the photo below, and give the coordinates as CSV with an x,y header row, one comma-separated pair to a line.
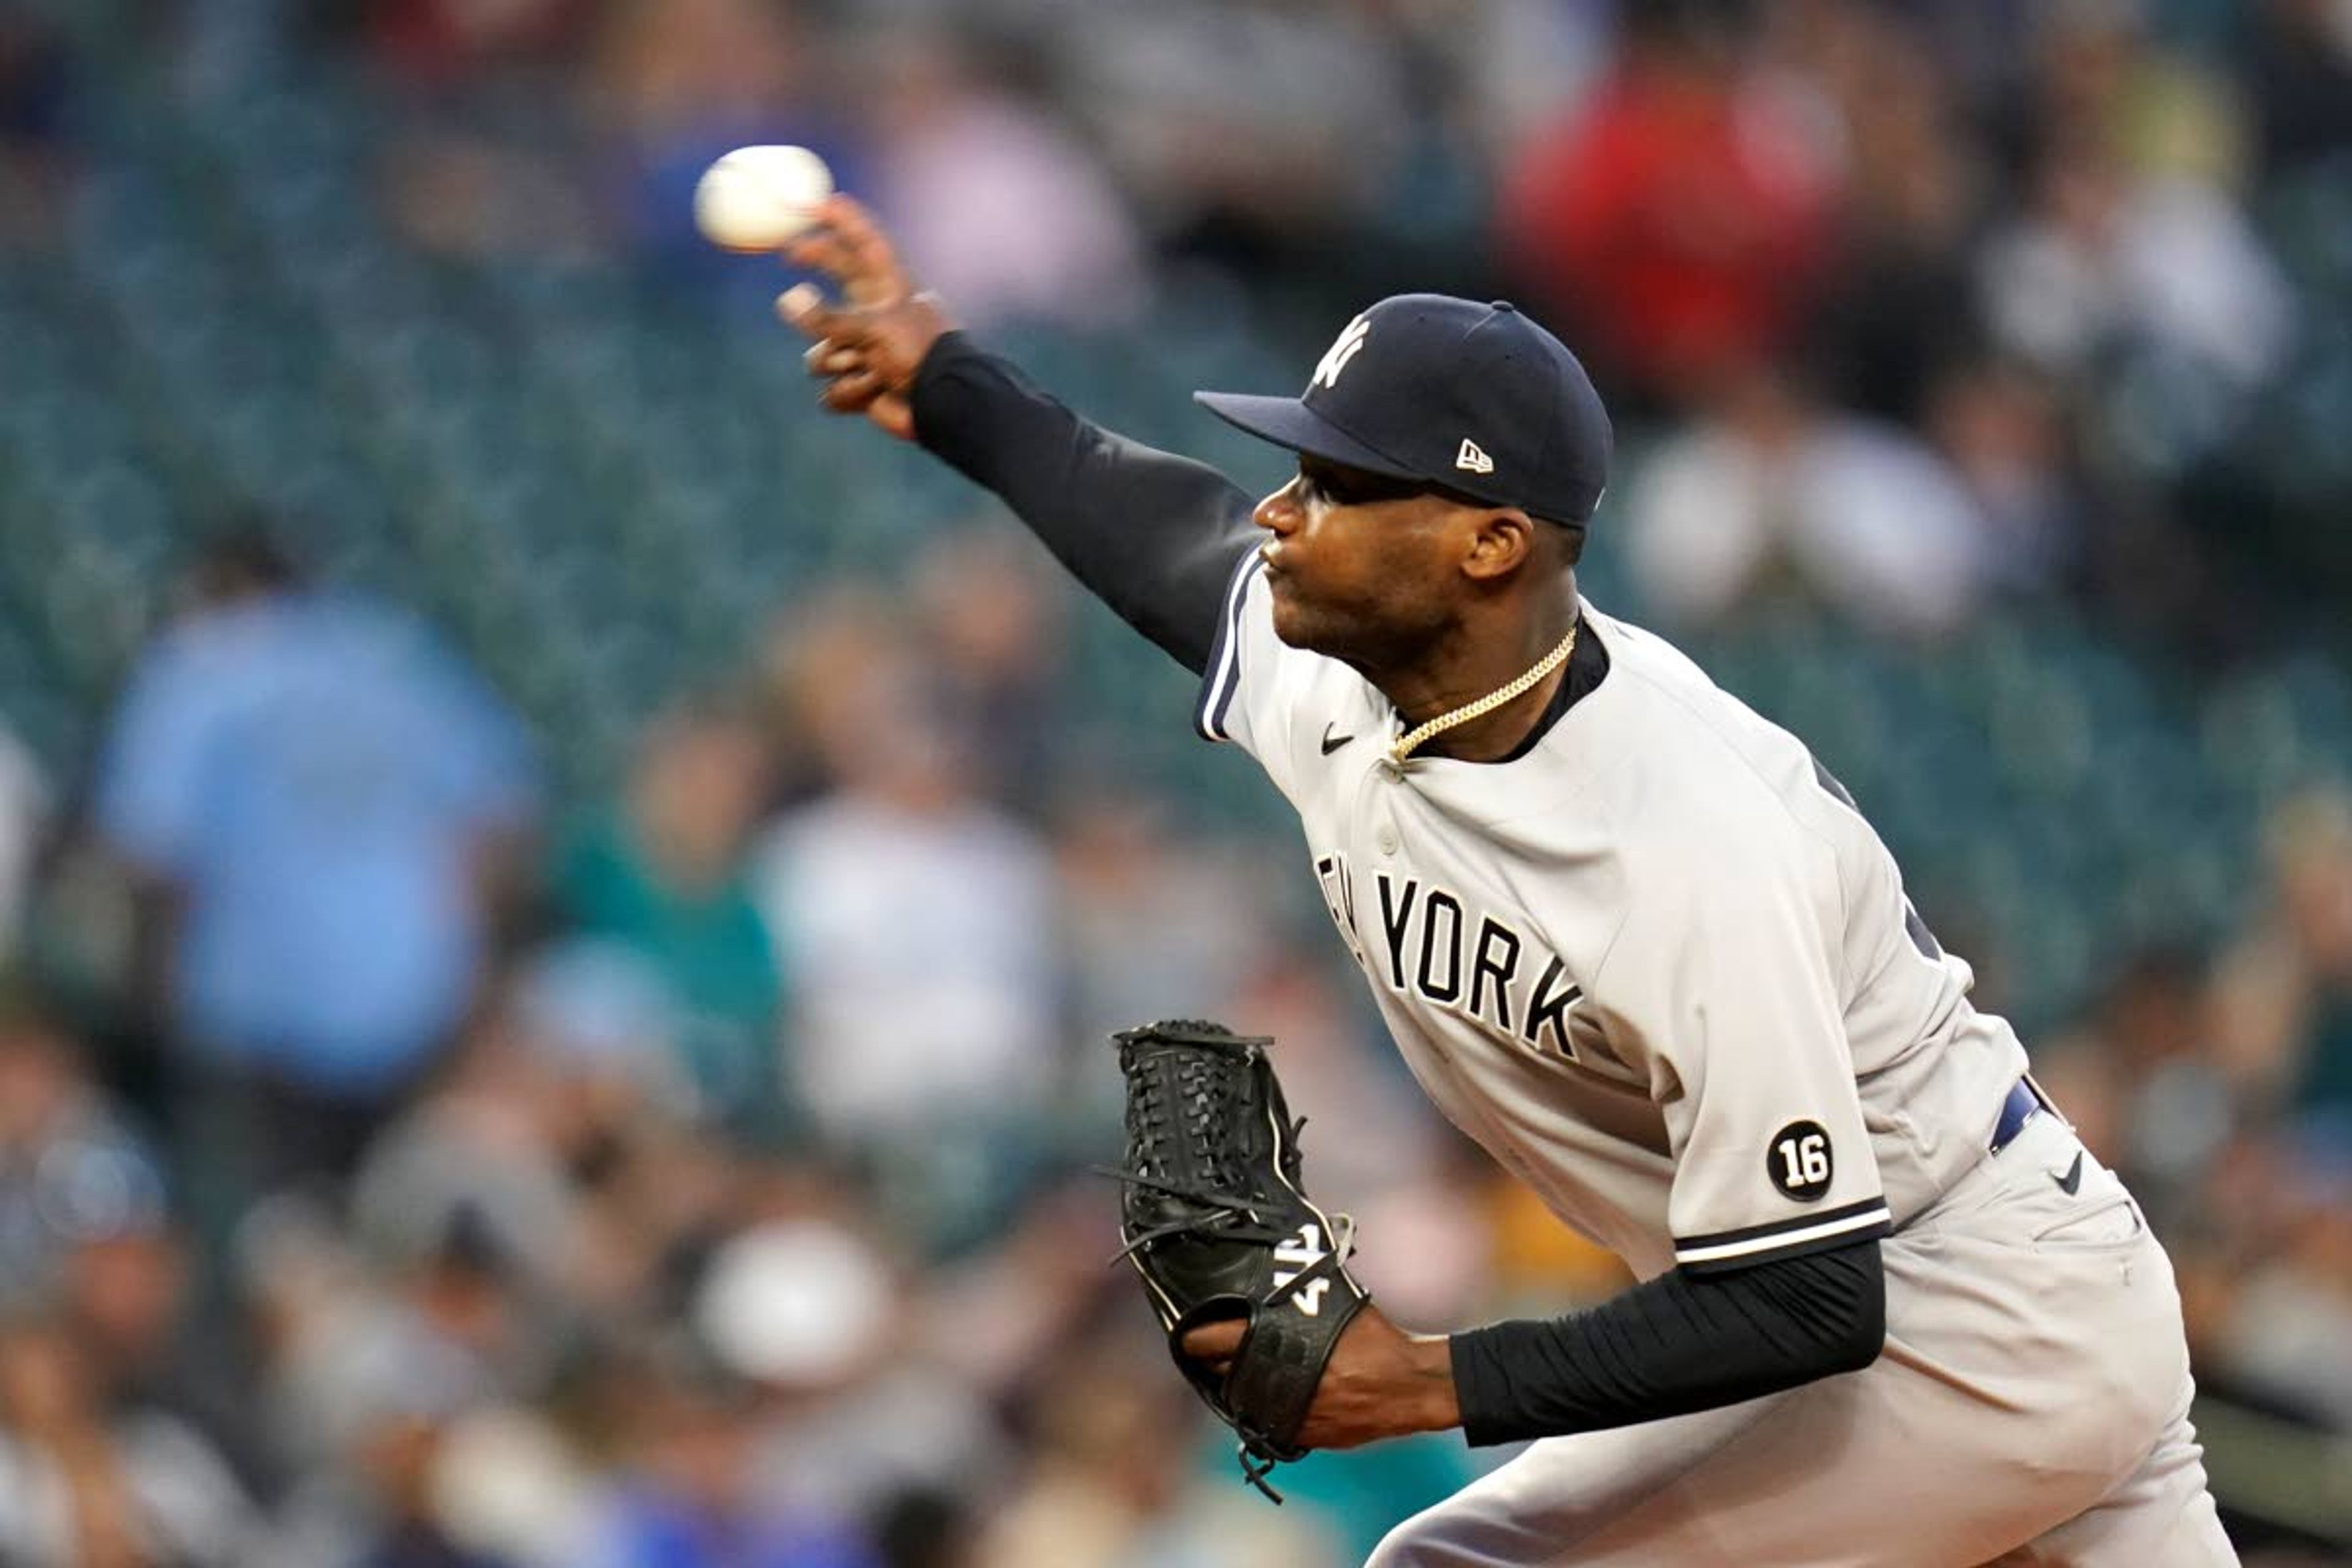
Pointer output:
x,y
313,793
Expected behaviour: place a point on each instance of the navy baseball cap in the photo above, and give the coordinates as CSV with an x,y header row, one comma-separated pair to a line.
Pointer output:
x,y
1477,398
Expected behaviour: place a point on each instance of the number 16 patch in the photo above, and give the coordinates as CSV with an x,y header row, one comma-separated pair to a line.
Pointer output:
x,y
1799,1160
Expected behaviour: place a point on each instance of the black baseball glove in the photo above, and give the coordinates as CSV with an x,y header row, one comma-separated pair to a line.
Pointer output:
x,y
1217,1224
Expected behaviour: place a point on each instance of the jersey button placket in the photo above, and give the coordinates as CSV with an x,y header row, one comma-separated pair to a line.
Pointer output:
x,y
1384,778
1372,811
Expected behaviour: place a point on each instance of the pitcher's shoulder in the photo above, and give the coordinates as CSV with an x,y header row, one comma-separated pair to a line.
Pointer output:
x,y
1681,761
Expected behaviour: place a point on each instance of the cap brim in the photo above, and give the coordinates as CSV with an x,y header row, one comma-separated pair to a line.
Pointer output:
x,y
1289,422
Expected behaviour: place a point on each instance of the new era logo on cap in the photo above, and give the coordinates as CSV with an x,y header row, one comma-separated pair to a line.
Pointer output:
x,y
1444,366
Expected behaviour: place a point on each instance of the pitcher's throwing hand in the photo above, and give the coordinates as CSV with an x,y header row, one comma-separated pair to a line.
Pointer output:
x,y
866,348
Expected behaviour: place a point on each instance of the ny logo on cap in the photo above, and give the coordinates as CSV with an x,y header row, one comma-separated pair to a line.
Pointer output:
x,y
1335,358
1472,459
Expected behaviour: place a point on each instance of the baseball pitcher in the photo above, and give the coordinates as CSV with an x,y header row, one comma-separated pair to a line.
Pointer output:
x,y
1639,945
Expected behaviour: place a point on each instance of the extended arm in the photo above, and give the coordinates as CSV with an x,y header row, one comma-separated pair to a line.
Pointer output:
x,y
1156,536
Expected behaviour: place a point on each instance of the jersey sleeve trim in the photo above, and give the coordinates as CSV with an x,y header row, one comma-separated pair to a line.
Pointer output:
x,y
1225,673
1756,1244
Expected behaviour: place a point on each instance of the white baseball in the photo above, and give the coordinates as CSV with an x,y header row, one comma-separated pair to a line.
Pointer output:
x,y
756,198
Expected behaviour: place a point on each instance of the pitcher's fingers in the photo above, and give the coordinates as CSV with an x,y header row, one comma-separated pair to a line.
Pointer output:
x,y
853,393
803,306
1214,1342
873,275
828,357
820,249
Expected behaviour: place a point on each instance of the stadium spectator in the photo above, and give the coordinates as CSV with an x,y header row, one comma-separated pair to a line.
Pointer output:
x,y
1773,497
2290,1310
1676,225
321,804
1108,1488
1153,920
2101,262
688,1430
863,1404
992,619
526,1144
919,920
1253,135
71,1168
2153,1089
383,1406
89,1482
810,674
662,871
2002,430
1895,304
996,200
2284,990
674,84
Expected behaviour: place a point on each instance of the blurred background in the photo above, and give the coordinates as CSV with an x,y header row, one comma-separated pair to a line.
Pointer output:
x,y
561,909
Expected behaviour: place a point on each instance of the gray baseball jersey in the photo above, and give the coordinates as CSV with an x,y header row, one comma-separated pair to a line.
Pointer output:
x,y
1659,966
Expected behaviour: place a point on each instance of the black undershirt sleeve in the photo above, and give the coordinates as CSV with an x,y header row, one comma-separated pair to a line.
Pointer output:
x,y
1673,1345
1155,536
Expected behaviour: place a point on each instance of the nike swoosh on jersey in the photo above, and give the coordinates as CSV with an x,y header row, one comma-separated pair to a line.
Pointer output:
x,y
1331,742
2072,1182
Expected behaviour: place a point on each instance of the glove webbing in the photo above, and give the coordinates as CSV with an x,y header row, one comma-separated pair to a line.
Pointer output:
x,y
1215,1223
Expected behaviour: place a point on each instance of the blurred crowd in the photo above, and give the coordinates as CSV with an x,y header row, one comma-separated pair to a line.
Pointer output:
x,y
1935,303
397,1167
1930,303
406,1163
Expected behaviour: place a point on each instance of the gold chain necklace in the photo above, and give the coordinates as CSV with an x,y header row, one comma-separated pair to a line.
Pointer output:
x,y
1493,699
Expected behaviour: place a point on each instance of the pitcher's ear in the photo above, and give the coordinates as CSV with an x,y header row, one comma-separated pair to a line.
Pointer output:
x,y
1504,541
